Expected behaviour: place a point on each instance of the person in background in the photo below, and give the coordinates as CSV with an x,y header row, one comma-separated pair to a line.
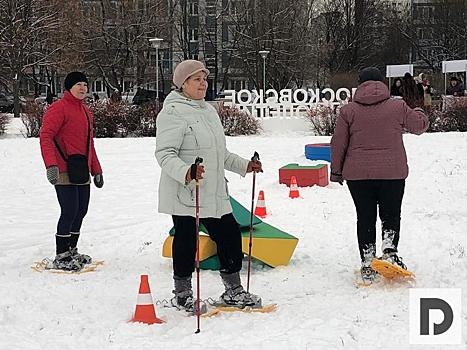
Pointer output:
x,y
455,88
116,96
427,92
68,124
367,151
187,128
412,93
396,87
50,97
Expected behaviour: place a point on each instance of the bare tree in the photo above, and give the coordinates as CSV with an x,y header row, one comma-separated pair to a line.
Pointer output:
x,y
117,34
280,27
28,38
353,31
449,28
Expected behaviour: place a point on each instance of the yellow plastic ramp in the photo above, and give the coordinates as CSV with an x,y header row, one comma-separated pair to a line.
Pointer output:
x,y
270,245
207,247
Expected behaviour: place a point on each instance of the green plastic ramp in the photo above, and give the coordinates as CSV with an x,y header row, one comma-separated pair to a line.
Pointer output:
x,y
240,213
271,246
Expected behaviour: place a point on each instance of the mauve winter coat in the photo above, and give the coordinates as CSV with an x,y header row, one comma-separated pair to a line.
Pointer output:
x,y
65,120
367,142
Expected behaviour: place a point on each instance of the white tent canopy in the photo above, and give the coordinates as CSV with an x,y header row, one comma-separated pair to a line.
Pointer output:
x,y
395,71
398,70
454,66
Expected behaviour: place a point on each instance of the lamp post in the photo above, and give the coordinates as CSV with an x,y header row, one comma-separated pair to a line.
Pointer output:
x,y
263,55
156,42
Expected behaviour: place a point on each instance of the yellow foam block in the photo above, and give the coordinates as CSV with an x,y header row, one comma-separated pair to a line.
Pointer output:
x,y
271,251
207,247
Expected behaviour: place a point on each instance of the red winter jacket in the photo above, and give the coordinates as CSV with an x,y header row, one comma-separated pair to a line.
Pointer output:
x,y
367,142
66,121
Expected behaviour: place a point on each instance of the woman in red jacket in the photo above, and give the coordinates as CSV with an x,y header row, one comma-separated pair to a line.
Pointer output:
x,y
367,150
67,130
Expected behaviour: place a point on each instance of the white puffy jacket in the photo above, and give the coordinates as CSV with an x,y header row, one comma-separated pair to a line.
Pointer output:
x,y
187,129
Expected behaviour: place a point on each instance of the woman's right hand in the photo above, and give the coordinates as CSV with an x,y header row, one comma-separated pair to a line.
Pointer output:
x,y
199,173
52,174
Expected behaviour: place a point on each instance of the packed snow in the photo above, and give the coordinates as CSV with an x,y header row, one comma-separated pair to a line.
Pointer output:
x,y
319,305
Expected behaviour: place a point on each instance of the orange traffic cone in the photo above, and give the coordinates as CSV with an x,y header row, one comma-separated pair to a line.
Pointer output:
x,y
145,311
293,188
260,209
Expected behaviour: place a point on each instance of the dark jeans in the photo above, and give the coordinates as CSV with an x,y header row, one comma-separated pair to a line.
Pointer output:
x,y
368,195
224,231
74,202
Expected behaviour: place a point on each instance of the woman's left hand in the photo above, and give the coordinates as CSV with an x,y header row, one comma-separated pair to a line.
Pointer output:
x,y
255,166
99,180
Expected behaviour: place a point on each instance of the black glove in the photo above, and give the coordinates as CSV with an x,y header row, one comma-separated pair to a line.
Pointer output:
x,y
52,174
99,180
337,178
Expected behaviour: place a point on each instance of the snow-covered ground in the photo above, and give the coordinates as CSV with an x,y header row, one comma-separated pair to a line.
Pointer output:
x,y
319,304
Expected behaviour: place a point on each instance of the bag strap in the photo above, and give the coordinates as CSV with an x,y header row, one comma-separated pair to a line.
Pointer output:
x,y
87,141
89,133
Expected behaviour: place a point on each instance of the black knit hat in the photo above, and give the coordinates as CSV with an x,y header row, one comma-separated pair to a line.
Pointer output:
x,y
74,78
370,73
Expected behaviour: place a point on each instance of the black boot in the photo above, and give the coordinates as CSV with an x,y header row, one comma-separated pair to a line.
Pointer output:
x,y
82,258
62,243
63,260
369,253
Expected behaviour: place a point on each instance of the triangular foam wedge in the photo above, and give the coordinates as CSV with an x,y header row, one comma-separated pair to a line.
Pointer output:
x,y
270,245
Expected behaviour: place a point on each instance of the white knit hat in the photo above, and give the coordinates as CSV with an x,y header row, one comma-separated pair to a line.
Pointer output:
x,y
186,69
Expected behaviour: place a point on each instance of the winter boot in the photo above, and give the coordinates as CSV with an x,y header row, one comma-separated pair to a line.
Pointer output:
x,y
390,255
183,299
82,258
369,253
388,240
62,243
64,261
235,295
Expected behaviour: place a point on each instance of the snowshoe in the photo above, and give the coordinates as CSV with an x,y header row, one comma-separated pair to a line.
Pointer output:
x,y
84,259
240,298
66,262
188,304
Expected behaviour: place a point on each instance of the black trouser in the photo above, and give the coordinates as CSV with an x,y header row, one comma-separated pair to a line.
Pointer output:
x,y
224,231
367,196
74,202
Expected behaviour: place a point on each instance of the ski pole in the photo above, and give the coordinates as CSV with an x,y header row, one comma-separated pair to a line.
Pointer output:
x,y
194,169
250,243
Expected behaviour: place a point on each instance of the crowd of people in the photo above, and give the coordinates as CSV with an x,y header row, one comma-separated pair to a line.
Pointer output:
x,y
417,91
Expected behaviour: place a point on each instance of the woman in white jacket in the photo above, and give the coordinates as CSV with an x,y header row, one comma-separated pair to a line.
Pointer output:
x,y
187,128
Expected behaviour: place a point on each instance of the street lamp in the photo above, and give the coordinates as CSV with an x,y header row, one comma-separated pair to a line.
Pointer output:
x,y
156,42
263,55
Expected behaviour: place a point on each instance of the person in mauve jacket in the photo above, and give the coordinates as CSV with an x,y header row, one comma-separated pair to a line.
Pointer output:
x,y
188,128
68,124
367,151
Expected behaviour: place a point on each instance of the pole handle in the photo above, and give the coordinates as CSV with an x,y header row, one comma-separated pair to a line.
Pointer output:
x,y
255,157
